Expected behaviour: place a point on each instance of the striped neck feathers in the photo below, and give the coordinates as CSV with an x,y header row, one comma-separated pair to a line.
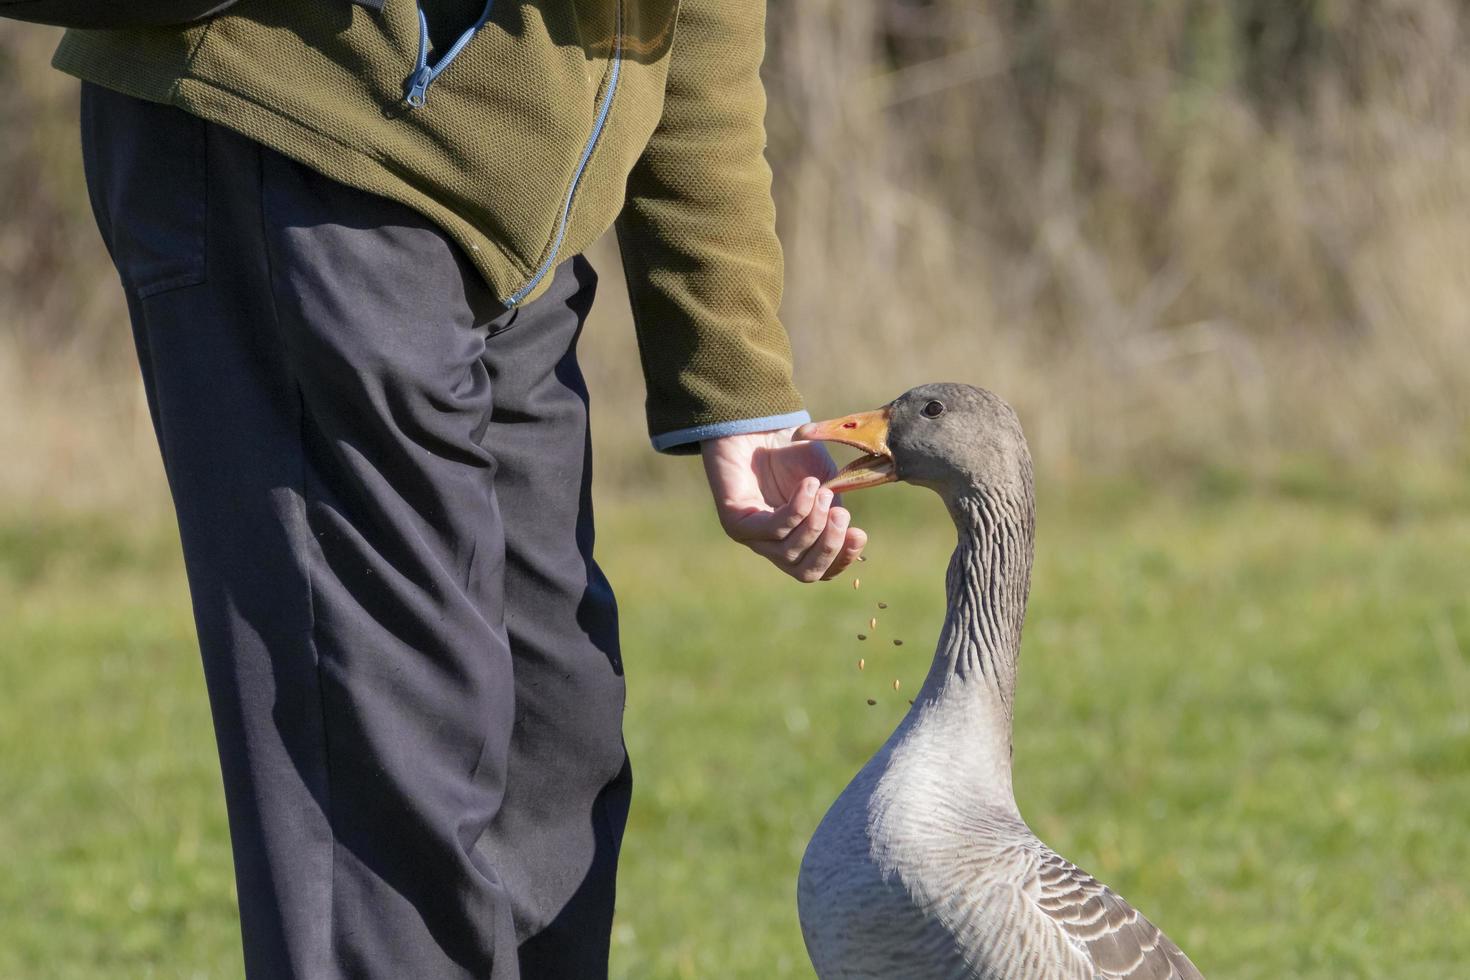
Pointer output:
x,y
987,585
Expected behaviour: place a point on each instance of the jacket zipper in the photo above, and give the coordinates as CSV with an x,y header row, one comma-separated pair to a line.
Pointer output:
x,y
416,87
601,119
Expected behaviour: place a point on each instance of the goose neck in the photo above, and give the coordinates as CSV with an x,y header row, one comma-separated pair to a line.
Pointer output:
x,y
988,582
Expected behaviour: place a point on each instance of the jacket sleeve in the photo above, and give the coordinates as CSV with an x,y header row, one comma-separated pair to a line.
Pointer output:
x,y
698,239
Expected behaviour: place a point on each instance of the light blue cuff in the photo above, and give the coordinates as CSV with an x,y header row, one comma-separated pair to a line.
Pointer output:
x,y
672,441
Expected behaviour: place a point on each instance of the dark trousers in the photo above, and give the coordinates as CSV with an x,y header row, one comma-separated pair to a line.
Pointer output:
x,y
382,484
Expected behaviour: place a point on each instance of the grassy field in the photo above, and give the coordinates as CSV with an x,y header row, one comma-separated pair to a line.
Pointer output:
x,y
1248,711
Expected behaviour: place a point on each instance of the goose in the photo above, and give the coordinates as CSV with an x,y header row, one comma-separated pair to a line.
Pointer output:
x,y
923,868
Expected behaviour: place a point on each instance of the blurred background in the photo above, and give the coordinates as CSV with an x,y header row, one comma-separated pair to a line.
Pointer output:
x,y
1218,257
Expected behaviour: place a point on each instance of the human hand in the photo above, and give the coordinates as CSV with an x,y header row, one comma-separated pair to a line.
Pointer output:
x,y
768,494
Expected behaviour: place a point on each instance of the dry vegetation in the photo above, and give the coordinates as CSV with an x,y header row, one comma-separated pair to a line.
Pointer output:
x,y
1178,235
1170,232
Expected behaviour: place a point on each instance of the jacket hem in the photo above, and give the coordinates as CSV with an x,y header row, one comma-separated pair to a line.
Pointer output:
x,y
331,157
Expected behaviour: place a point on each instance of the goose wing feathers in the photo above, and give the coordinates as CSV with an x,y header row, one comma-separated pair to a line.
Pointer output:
x,y
1046,919
1120,943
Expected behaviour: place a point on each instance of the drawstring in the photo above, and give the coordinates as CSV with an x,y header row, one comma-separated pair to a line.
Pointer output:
x,y
416,86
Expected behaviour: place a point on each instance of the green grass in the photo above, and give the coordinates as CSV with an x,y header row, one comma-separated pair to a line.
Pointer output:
x,y
1250,714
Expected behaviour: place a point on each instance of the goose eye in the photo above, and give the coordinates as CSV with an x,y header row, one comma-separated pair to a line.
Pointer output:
x,y
933,410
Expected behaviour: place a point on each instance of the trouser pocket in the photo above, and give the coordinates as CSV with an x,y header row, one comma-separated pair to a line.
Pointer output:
x,y
147,161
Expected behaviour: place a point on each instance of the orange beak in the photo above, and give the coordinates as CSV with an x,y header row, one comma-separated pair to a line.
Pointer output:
x,y
867,431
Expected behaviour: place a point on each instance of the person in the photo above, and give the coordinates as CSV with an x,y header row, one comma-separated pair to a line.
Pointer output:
x,y
350,236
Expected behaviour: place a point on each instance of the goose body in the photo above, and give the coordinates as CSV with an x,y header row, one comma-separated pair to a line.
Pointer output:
x,y
923,868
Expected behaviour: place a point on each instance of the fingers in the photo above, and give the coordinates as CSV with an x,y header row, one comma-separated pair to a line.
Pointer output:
x,y
852,548
800,540
813,565
756,526
809,537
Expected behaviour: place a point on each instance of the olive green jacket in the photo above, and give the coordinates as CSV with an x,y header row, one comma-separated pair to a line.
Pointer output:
x,y
553,120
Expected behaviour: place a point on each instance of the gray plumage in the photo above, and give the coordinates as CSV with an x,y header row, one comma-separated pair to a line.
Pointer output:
x,y
923,867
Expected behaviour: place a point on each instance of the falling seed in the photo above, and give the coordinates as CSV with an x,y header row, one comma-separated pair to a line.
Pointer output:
x,y
862,663
857,583
898,643
862,557
896,684
871,702
882,605
862,636
873,623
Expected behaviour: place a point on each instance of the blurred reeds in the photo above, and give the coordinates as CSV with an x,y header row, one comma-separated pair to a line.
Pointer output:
x,y
1182,237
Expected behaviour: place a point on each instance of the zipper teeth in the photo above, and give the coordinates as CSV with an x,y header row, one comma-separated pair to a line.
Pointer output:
x,y
423,75
566,209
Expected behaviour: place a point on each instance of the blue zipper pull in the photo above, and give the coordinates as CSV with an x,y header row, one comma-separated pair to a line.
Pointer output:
x,y
418,86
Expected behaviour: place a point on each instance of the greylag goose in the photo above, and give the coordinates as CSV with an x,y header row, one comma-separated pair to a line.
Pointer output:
x,y
923,867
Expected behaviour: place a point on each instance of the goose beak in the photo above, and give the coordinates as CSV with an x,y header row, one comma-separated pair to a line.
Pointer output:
x,y
867,431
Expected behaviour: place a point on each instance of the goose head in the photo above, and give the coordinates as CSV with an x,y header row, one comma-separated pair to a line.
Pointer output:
x,y
955,439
